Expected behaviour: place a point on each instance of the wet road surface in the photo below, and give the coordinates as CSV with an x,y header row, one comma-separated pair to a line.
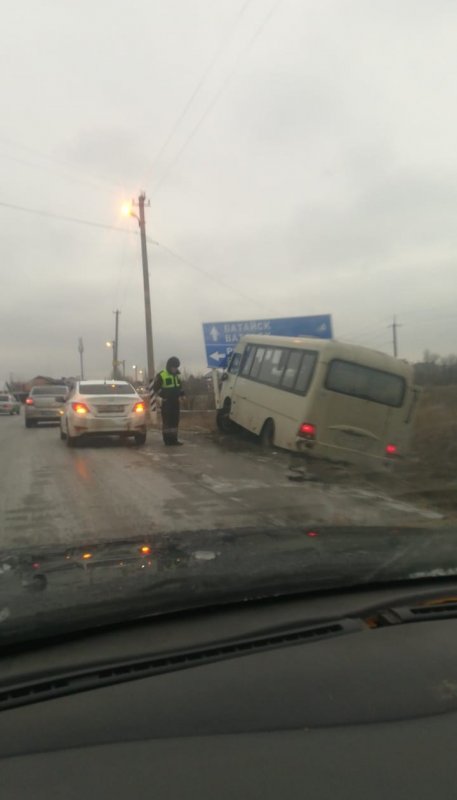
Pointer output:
x,y
106,489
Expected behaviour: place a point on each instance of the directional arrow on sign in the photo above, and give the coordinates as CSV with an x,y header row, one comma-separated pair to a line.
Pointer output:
x,y
218,356
221,337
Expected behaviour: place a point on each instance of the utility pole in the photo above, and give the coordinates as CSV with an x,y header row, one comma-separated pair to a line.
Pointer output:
x,y
116,345
147,294
81,356
150,372
394,327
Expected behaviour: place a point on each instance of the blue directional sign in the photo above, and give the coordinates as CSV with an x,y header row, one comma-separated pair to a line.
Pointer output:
x,y
221,338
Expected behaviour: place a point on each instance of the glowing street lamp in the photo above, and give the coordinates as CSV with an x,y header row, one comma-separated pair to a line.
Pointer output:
x,y
126,210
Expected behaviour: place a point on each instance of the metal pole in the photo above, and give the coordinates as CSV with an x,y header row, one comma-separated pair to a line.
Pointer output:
x,y
147,293
395,325
217,396
81,356
111,346
147,303
116,345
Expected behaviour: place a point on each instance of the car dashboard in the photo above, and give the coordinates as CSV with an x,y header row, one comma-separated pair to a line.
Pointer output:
x,y
236,704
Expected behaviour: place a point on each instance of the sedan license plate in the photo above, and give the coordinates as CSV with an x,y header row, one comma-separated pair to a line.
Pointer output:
x,y
110,409
110,423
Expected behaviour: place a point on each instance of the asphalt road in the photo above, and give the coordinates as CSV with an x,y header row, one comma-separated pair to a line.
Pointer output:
x,y
101,490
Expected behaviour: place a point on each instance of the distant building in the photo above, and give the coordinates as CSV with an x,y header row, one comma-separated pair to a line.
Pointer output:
x,y
20,389
44,380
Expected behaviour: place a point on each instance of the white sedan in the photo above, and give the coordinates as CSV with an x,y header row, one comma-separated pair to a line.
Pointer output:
x,y
103,408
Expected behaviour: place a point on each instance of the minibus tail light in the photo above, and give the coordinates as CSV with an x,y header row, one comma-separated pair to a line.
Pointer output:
x,y
307,430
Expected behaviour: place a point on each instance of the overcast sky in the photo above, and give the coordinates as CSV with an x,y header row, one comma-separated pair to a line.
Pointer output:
x,y
300,158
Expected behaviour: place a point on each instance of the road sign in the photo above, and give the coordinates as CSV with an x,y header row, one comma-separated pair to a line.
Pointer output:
x,y
221,338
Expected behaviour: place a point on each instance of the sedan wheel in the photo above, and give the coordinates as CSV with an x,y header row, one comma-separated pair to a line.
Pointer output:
x,y
267,434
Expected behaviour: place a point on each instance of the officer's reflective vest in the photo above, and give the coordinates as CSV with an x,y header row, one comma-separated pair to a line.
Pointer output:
x,y
170,383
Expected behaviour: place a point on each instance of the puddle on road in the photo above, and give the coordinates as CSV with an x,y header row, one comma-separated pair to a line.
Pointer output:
x,y
226,487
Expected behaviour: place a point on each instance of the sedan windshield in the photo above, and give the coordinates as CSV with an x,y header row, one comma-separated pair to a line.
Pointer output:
x,y
106,388
49,391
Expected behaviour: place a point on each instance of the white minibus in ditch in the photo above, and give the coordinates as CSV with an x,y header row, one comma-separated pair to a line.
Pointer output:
x,y
326,398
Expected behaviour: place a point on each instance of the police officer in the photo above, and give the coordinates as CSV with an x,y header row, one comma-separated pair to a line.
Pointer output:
x,y
167,384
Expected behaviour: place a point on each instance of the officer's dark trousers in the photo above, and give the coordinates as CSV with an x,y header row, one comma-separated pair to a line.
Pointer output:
x,y
170,420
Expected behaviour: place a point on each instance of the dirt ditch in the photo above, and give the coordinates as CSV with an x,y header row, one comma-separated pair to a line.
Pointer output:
x,y
427,476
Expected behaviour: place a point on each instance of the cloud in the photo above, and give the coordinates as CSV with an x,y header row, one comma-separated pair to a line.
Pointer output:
x,y
321,181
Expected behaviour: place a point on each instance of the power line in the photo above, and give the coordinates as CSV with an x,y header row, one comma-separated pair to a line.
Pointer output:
x,y
99,225
64,218
200,83
436,314
58,161
218,94
84,181
128,256
64,173
126,285
364,333
207,274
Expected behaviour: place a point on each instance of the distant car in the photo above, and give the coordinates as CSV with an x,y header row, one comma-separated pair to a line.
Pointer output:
x,y
9,404
45,404
103,408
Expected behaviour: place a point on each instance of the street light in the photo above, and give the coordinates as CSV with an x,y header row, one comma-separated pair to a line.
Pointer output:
x,y
134,366
127,210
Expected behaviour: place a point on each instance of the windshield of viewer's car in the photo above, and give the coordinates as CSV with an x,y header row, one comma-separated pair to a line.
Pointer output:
x,y
228,328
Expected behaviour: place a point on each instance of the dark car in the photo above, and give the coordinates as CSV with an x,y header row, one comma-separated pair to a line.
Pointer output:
x,y
45,404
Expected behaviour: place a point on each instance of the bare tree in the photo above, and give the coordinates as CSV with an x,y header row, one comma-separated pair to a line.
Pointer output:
x,y
436,370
